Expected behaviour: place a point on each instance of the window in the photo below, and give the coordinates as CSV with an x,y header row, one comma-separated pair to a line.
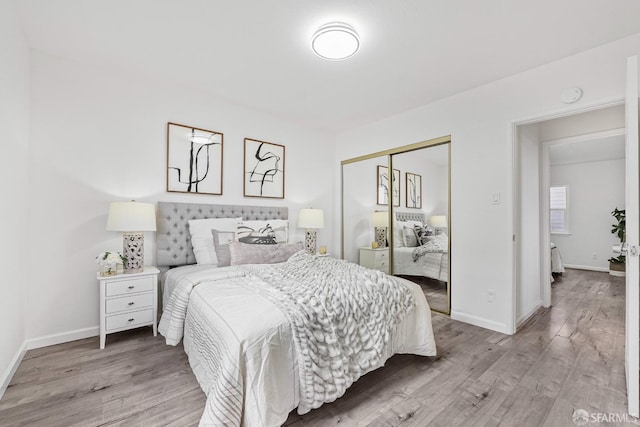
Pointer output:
x,y
559,214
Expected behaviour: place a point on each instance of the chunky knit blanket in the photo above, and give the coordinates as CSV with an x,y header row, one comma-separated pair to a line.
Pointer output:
x,y
343,317
436,245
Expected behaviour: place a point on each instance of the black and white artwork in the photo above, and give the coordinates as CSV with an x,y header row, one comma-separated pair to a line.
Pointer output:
x,y
263,169
413,187
383,188
194,160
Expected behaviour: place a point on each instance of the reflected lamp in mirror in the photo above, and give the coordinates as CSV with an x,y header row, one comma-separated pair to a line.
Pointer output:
x,y
438,222
380,220
312,220
133,219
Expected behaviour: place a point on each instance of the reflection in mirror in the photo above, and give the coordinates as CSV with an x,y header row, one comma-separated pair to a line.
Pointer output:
x,y
364,221
420,234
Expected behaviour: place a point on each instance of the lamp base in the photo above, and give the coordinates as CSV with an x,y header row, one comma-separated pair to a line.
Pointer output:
x,y
310,241
381,237
133,251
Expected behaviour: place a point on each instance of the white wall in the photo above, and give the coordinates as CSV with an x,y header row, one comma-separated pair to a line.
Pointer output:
x,y
595,189
98,136
15,257
480,124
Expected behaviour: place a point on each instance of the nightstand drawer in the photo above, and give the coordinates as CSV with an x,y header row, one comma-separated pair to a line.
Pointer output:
x,y
124,287
381,256
124,320
132,302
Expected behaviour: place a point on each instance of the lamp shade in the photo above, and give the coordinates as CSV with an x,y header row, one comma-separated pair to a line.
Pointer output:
x,y
131,216
380,219
438,221
311,218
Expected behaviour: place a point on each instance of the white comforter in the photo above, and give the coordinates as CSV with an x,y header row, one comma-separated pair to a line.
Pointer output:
x,y
242,344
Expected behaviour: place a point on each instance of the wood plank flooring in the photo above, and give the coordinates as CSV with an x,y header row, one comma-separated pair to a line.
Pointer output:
x,y
434,290
565,358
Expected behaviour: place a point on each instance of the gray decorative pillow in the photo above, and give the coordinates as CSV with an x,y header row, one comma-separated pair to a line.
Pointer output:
x,y
242,253
221,240
410,239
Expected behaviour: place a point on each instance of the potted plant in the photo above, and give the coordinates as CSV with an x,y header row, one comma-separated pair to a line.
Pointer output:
x,y
108,262
617,264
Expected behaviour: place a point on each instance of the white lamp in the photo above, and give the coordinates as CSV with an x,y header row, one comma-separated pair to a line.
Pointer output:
x,y
335,41
133,219
311,219
438,222
380,220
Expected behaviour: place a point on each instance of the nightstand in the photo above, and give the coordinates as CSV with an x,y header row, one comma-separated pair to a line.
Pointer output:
x,y
128,301
376,259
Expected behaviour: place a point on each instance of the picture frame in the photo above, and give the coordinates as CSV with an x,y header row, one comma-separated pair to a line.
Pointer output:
x,y
194,160
264,169
413,189
382,186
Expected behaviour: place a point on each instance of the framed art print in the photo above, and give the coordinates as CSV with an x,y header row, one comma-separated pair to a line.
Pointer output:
x,y
382,186
413,188
263,169
194,160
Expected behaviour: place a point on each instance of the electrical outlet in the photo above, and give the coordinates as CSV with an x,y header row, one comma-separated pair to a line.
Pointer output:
x,y
491,295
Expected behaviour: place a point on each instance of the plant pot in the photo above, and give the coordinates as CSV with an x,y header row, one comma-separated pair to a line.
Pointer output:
x,y
108,269
617,269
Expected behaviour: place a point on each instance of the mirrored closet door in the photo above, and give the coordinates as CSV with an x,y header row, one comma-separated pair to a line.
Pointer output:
x,y
395,215
420,237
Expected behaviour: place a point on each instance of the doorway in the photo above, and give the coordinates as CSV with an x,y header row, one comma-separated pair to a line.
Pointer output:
x,y
573,140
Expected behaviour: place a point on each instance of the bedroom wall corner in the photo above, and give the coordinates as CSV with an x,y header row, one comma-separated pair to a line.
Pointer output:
x,y
14,136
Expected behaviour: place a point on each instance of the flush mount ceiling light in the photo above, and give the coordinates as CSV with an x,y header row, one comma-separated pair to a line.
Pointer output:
x,y
335,41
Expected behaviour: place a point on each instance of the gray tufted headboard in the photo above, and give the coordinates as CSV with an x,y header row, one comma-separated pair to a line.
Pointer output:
x,y
172,237
411,216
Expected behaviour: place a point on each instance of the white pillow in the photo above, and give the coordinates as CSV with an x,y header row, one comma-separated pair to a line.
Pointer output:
x,y
201,238
280,228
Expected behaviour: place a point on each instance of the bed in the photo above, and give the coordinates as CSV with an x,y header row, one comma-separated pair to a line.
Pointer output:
x,y
413,260
262,340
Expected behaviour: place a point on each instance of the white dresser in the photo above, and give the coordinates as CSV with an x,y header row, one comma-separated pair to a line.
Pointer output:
x,y
376,259
128,301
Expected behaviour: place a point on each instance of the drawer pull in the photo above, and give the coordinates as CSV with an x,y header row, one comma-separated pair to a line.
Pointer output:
x,y
131,303
131,286
132,319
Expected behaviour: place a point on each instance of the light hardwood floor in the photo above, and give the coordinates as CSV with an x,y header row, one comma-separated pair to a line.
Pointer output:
x,y
565,358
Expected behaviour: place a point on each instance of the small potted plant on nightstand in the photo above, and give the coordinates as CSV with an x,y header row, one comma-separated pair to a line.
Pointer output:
x,y
617,264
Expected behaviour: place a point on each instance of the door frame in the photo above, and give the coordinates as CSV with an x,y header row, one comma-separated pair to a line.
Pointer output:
x,y
515,193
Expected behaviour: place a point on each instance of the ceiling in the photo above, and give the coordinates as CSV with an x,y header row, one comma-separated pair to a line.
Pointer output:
x,y
588,150
257,53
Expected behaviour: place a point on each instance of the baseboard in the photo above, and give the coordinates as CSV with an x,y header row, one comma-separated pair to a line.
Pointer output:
x,y
524,319
11,369
62,337
479,321
587,267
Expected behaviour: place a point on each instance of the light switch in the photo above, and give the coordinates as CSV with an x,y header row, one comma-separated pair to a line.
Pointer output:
x,y
495,198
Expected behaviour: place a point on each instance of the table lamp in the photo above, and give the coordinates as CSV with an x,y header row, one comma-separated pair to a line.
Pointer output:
x,y
133,219
311,219
380,220
438,222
